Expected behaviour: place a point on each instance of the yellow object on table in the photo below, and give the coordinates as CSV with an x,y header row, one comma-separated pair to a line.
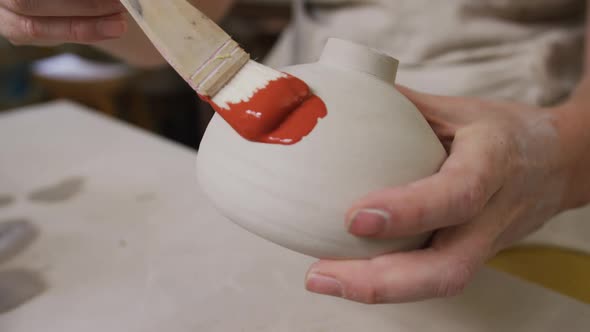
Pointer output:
x,y
563,270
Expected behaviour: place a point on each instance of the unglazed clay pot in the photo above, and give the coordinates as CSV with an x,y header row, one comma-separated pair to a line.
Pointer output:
x,y
297,195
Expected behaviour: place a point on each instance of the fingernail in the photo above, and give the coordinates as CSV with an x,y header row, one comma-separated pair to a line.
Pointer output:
x,y
111,27
325,285
368,222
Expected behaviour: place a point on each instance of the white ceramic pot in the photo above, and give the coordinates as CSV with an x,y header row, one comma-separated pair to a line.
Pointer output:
x,y
297,195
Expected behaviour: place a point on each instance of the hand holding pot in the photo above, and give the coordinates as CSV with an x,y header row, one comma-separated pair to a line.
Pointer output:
x,y
511,168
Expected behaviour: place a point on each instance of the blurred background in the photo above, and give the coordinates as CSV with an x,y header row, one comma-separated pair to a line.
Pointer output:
x,y
157,100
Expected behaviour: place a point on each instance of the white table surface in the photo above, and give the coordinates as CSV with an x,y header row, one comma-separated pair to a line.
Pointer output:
x,y
139,248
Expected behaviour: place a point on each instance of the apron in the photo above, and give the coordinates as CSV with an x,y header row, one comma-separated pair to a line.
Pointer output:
x,y
517,50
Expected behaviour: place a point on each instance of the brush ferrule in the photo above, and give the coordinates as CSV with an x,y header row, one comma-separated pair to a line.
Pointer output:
x,y
223,64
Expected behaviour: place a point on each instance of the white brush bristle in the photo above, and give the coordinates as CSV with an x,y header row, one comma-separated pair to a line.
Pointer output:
x,y
242,87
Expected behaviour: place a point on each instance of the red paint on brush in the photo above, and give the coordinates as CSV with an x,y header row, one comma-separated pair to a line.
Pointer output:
x,y
284,112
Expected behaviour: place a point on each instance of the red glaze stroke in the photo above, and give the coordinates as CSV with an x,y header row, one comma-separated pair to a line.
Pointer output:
x,y
284,112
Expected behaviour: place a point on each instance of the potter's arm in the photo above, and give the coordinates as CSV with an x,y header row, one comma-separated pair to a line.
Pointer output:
x,y
574,124
135,48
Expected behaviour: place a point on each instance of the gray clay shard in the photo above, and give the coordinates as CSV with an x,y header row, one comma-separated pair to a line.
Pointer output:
x,y
15,236
18,287
60,192
6,200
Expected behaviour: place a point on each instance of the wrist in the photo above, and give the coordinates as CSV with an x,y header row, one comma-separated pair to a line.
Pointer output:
x,y
572,120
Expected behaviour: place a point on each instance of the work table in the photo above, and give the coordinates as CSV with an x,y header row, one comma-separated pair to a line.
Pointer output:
x,y
133,245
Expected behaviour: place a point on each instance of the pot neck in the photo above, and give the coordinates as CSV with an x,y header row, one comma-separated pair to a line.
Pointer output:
x,y
352,56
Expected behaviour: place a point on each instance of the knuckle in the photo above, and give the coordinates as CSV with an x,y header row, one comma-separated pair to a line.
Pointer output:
x,y
418,216
376,289
371,297
471,194
414,211
30,28
368,295
473,197
80,31
382,290
17,32
371,292
74,31
455,280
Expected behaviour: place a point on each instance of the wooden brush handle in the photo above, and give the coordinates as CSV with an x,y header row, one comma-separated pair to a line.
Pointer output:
x,y
199,50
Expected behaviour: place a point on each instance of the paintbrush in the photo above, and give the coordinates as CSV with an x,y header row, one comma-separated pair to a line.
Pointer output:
x,y
218,69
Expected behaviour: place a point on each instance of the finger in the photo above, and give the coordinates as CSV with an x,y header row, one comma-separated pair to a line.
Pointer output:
x,y
46,30
443,270
446,113
394,278
472,174
63,8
